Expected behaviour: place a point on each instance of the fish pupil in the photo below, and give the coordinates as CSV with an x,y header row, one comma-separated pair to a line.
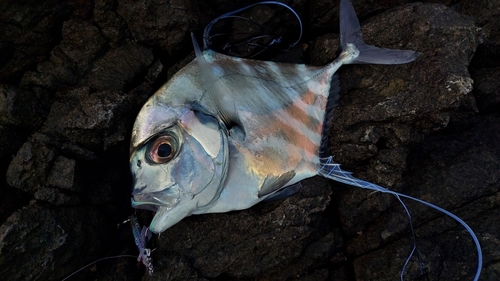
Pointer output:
x,y
164,150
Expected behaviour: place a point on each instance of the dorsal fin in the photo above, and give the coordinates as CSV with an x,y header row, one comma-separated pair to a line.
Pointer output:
x,y
216,89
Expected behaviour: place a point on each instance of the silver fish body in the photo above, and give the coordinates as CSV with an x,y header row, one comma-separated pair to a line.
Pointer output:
x,y
226,133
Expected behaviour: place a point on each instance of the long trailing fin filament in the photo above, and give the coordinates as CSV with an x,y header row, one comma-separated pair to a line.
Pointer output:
x,y
329,169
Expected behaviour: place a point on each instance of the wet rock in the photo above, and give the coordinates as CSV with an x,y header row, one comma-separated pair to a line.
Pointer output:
x,y
449,49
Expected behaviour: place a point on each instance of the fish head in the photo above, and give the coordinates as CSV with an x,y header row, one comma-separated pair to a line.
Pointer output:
x,y
178,159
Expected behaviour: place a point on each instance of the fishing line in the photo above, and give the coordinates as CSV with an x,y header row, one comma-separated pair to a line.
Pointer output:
x,y
141,237
237,17
332,170
207,37
227,47
96,261
401,276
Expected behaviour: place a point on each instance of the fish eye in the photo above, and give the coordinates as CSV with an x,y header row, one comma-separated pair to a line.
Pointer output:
x,y
162,149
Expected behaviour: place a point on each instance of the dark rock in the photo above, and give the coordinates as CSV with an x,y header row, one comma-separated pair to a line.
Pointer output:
x,y
52,74
81,43
28,170
386,108
324,49
487,89
118,67
28,34
21,108
21,112
179,65
76,73
85,118
81,59
487,16
272,240
165,24
55,197
112,26
70,60
62,173
52,236
154,71
448,179
323,15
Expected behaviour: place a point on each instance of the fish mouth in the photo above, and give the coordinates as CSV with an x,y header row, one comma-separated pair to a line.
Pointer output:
x,y
154,200
159,208
149,206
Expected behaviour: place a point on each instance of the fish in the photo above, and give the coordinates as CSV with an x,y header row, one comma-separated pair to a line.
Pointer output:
x,y
225,133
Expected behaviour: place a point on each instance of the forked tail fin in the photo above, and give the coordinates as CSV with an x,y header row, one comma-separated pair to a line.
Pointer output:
x,y
350,33
329,169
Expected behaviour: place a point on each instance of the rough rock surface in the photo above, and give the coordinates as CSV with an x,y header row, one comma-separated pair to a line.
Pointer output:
x,y
74,74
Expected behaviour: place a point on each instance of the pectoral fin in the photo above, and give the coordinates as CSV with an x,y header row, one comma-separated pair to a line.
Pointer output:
x,y
272,183
284,193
